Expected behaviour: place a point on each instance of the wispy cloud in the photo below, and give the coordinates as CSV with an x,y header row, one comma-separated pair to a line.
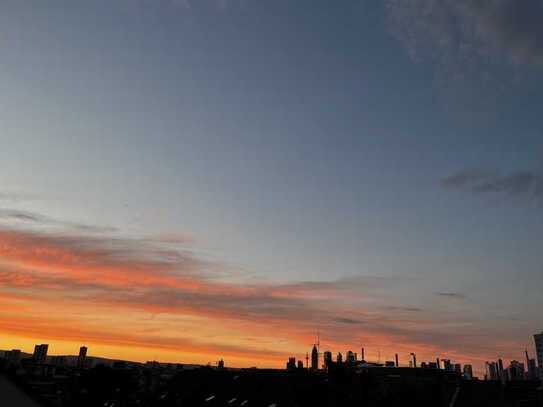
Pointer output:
x,y
511,26
8,214
15,196
454,295
173,238
408,309
478,50
523,185
16,215
467,29
351,321
198,5
106,288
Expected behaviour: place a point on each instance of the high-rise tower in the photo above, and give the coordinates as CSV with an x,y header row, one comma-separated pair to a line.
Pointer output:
x,y
327,359
40,353
538,338
82,357
315,358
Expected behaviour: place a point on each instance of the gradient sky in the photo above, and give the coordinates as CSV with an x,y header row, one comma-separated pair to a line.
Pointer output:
x,y
195,179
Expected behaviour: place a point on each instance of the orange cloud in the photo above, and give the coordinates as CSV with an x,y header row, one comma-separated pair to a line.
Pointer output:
x,y
147,297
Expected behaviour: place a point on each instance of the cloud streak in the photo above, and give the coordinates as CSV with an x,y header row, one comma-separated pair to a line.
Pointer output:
x,y
9,215
523,186
513,27
458,296
466,29
143,294
14,196
478,51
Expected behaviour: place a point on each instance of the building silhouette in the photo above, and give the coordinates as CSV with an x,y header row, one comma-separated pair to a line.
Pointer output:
x,y
538,339
491,371
515,371
339,358
40,353
350,359
414,359
314,358
58,360
327,356
13,357
531,367
291,364
468,372
531,373
501,371
532,370
82,357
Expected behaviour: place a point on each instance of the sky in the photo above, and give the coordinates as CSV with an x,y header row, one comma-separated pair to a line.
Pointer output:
x,y
190,180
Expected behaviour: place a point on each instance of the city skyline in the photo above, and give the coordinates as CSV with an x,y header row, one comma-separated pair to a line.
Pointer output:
x,y
196,180
492,370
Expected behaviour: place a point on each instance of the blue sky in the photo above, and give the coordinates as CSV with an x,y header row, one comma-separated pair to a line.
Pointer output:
x,y
294,141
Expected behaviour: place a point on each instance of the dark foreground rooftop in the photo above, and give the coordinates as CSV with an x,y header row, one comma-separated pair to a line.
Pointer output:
x,y
11,395
156,385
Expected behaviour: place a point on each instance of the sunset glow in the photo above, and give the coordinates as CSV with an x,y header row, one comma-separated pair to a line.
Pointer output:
x,y
189,181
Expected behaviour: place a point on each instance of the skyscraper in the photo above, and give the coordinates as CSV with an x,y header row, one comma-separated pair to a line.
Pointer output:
x,y
314,358
501,371
515,371
468,372
327,359
82,357
291,364
538,338
491,371
350,359
531,368
414,356
40,353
